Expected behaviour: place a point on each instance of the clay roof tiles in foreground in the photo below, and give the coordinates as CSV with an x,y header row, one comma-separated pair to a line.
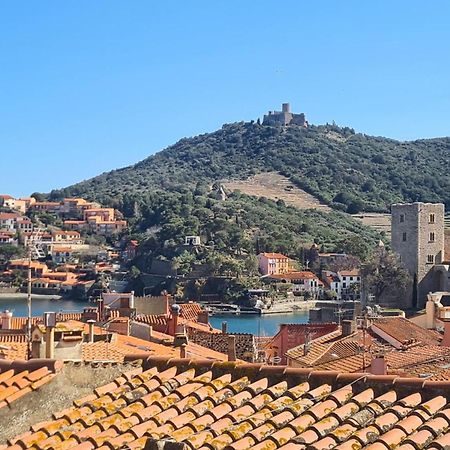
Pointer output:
x,y
19,378
182,404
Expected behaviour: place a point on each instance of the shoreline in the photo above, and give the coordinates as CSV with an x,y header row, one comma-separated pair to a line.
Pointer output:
x,y
23,295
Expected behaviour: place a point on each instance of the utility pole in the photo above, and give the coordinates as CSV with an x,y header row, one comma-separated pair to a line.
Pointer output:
x,y
29,303
34,248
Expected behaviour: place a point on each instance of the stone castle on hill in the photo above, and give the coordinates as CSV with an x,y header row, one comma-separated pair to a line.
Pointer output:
x,y
285,117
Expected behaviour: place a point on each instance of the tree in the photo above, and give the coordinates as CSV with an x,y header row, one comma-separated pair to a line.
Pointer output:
x,y
385,278
135,273
356,246
251,265
8,251
347,262
183,263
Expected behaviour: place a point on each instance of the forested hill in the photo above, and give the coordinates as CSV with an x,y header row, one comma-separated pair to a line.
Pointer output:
x,y
347,170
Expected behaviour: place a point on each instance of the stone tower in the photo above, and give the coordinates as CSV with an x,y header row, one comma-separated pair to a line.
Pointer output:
x,y
418,238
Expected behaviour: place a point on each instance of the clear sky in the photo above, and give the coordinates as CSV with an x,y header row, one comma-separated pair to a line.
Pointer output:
x,y
88,86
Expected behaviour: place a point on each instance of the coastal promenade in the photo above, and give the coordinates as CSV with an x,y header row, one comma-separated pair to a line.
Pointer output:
x,y
289,305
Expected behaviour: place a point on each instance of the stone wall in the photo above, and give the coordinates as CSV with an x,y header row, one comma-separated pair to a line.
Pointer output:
x,y
447,245
411,228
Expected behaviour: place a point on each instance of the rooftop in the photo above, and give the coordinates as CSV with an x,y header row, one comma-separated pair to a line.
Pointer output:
x,y
182,404
405,346
300,275
274,255
20,378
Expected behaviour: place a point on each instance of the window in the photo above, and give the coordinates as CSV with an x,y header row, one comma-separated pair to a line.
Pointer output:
x,y
404,237
430,259
431,218
431,237
402,218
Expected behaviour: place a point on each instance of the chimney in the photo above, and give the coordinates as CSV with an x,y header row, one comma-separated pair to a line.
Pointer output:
x,y
348,327
49,342
307,345
431,308
150,332
203,317
50,323
131,302
183,350
224,327
173,319
231,347
378,366
446,340
6,321
91,330
180,339
101,309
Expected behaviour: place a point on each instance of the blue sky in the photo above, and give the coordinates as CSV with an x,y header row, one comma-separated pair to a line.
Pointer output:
x,y
86,86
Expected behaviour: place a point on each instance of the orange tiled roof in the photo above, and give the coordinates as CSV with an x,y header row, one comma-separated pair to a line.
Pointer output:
x,y
350,273
181,404
25,263
18,379
160,322
6,216
190,311
413,350
122,345
301,275
19,323
275,255
406,332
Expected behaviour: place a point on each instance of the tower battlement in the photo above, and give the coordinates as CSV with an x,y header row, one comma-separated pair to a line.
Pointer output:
x,y
285,117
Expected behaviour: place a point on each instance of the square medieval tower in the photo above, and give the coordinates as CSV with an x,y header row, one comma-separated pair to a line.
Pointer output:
x,y
418,238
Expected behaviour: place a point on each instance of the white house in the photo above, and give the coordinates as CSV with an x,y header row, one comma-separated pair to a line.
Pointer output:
x,y
350,281
302,281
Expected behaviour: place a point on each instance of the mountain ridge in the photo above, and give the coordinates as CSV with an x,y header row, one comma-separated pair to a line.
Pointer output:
x,y
373,179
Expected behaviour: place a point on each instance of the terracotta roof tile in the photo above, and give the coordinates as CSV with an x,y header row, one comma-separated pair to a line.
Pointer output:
x,y
184,404
16,381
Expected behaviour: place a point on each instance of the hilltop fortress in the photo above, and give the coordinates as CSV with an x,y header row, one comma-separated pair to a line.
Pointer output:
x,y
285,117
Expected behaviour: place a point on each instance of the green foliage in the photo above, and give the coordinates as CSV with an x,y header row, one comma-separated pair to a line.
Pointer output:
x,y
184,262
385,278
8,251
346,170
135,273
177,192
355,245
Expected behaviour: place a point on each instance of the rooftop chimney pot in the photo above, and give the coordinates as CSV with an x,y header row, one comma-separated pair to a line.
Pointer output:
x,y
231,347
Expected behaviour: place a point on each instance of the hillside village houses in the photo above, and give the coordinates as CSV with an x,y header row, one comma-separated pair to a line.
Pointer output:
x,y
62,247
77,213
344,284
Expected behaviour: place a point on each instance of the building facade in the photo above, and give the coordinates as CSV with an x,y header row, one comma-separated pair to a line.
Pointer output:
x,y
273,263
418,238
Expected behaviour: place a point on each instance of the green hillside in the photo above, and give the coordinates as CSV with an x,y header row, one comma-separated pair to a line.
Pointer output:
x,y
176,191
336,165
